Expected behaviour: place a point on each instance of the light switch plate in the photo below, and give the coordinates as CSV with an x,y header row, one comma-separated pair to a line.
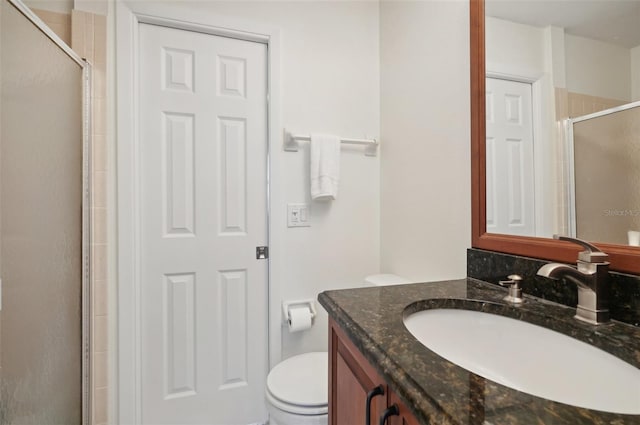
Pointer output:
x,y
298,215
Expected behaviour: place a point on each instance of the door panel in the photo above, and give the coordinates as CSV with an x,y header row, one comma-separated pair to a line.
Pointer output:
x,y
203,184
509,152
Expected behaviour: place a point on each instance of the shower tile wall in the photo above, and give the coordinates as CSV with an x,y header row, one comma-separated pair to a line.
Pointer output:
x,y
60,23
583,104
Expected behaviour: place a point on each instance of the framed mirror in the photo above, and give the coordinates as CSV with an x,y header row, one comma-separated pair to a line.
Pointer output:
x,y
623,257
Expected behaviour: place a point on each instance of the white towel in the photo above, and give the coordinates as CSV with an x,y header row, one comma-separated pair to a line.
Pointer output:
x,y
325,167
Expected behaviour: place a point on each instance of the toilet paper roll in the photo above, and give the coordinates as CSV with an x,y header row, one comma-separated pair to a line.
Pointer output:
x,y
299,319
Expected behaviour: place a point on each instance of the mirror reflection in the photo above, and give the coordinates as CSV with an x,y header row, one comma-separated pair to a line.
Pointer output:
x,y
563,119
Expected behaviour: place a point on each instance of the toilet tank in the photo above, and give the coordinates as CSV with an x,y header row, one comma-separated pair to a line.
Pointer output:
x,y
385,280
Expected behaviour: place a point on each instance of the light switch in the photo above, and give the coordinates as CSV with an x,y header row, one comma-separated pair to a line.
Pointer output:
x,y
298,215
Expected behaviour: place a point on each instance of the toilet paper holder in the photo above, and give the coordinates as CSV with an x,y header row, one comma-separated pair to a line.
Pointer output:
x,y
286,305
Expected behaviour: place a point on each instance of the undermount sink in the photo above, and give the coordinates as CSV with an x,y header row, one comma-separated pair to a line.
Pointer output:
x,y
529,358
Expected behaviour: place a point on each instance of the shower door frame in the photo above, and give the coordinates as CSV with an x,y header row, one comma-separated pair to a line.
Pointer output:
x,y
86,200
570,174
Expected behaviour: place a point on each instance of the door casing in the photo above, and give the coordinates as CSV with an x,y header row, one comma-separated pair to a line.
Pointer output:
x,y
542,130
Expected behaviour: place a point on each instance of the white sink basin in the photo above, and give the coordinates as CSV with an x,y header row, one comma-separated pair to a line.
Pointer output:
x,y
529,358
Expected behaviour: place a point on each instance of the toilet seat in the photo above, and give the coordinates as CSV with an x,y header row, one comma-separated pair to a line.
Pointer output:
x,y
298,385
295,409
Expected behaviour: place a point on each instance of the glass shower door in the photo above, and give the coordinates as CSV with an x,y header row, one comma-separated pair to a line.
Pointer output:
x,y
41,226
607,174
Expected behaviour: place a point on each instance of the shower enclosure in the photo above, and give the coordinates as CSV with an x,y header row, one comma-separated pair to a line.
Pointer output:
x,y
44,263
605,192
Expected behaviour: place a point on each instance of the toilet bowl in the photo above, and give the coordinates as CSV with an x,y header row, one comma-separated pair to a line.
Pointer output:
x,y
385,280
296,390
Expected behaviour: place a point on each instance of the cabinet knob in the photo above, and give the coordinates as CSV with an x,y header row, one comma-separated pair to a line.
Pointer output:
x,y
391,411
379,390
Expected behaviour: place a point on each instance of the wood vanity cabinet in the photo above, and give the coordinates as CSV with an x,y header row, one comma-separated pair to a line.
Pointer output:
x,y
351,379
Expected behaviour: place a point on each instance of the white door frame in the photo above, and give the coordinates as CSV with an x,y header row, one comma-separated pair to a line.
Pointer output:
x,y
541,131
129,15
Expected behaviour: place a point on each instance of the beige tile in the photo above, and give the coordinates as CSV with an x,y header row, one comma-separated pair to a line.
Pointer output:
x,y
100,406
62,30
50,17
100,298
99,189
100,31
99,262
77,39
582,104
60,23
100,334
99,226
99,116
99,153
88,37
78,29
99,82
100,369
100,39
562,107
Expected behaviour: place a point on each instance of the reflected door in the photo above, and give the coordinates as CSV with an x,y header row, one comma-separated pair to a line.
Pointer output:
x,y
203,203
509,152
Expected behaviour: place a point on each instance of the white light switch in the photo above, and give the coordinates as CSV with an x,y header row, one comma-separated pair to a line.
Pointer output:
x,y
298,215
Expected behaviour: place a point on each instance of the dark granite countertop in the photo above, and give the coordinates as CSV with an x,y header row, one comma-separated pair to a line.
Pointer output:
x,y
440,392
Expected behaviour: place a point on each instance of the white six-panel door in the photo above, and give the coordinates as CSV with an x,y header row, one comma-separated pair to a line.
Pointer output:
x,y
203,145
510,191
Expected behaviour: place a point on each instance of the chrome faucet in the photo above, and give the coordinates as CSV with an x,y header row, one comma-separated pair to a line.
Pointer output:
x,y
591,277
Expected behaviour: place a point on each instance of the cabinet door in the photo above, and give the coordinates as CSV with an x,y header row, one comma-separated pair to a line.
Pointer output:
x,y
351,378
405,417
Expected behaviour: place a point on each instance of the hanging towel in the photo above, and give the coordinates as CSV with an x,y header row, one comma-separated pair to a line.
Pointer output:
x,y
325,167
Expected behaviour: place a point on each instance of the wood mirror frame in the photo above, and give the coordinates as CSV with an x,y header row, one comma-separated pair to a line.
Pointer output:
x,y
623,258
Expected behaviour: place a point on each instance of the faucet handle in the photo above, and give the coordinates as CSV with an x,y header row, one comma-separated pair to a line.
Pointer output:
x,y
591,254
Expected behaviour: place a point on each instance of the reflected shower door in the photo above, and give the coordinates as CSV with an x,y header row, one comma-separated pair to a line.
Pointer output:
x,y
41,222
607,175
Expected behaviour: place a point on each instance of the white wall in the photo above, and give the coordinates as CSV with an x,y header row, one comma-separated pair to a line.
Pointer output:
x,y
513,48
329,83
556,55
635,73
425,168
597,69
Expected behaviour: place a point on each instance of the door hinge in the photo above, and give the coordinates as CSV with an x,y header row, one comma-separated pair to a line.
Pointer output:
x,y
262,252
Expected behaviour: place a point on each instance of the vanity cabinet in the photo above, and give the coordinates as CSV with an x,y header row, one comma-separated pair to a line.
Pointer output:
x,y
352,380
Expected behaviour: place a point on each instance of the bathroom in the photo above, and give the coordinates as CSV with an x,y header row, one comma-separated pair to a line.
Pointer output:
x,y
363,70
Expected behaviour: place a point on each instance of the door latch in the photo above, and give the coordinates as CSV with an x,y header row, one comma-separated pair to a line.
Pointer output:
x,y
262,252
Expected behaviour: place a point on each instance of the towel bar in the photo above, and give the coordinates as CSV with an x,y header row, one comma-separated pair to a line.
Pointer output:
x,y
291,143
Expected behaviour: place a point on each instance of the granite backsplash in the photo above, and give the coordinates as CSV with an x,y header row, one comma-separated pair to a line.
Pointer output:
x,y
492,267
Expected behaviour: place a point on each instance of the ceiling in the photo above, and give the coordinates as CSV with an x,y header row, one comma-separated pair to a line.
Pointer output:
x,y
612,21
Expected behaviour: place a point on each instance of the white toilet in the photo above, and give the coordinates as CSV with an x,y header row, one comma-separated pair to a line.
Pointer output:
x,y
296,390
